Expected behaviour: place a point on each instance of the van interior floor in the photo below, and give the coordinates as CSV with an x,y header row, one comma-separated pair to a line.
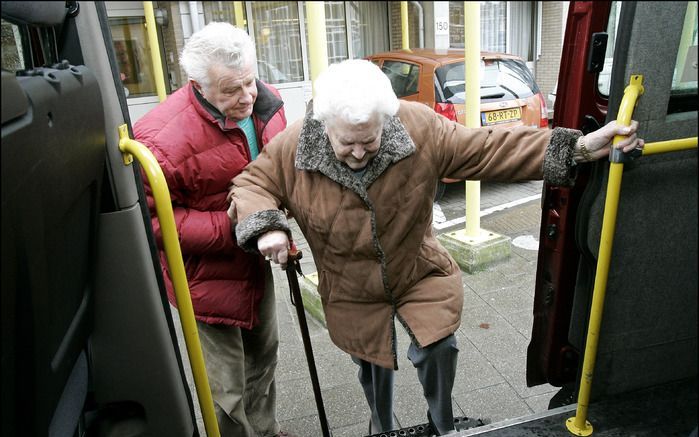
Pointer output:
x,y
665,410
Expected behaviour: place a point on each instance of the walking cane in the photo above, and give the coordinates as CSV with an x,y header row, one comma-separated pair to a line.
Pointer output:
x,y
292,267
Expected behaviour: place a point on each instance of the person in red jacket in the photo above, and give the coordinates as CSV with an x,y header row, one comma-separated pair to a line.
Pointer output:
x,y
203,135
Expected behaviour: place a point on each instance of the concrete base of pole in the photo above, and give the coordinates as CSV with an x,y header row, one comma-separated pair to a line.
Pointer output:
x,y
474,254
311,298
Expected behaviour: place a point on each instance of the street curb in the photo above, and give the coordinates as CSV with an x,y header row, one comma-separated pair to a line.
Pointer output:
x,y
311,298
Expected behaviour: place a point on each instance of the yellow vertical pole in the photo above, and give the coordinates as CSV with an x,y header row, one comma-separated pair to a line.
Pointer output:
x,y
579,425
154,50
404,25
472,103
318,40
173,253
239,16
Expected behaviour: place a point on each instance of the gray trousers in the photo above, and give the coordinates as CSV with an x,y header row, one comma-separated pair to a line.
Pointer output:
x,y
436,370
240,364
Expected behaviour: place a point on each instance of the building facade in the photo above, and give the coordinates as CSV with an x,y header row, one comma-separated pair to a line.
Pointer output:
x,y
354,29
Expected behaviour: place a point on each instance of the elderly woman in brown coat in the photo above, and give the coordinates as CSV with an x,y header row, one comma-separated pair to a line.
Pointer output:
x,y
359,174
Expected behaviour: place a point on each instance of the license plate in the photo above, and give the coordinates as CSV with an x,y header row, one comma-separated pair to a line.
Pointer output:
x,y
502,116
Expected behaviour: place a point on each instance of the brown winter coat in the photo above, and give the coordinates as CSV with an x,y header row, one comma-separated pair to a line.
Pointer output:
x,y
371,238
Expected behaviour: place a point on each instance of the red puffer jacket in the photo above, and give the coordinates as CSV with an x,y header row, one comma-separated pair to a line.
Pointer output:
x,y
199,155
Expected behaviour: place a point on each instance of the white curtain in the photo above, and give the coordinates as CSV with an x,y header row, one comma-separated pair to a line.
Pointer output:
x,y
369,22
523,29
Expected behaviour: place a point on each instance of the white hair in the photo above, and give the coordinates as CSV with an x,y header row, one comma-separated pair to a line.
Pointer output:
x,y
355,90
216,44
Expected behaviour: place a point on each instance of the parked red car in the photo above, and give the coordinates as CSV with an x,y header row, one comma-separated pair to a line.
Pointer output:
x,y
509,93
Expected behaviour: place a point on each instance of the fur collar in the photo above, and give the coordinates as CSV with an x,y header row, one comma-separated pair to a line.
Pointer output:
x,y
315,153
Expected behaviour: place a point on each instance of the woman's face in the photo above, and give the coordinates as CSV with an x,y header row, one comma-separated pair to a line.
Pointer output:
x,y
355,144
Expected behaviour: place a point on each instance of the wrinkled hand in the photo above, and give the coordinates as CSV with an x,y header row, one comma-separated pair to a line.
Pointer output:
x,y
598,142
274,245
232,213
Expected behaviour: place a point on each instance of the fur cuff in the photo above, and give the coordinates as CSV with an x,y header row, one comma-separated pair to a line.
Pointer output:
x,y
558,160
256,224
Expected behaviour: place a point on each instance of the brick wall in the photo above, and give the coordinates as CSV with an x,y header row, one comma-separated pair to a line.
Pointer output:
x,y
551,44
395,34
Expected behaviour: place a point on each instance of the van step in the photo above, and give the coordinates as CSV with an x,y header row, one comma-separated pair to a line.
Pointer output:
x,y
425,430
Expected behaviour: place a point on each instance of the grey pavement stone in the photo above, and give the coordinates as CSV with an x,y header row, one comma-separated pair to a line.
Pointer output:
x,y
513,372
474,369
410,407
508,300
492,404
492,334
539,403
522,320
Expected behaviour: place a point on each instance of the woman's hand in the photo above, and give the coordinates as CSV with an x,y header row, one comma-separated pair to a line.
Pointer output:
x,y
274,245
596,145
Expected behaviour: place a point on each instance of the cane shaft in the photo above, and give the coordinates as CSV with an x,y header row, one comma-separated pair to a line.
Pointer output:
x,y
298,303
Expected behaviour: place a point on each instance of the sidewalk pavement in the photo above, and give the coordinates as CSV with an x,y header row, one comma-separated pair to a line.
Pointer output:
x,y
493,337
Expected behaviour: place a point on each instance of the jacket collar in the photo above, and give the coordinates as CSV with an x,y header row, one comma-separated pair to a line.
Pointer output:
x,y
264,108
314,153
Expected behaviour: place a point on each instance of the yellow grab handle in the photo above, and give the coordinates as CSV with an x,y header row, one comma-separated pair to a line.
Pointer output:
x,y
579,425
171,243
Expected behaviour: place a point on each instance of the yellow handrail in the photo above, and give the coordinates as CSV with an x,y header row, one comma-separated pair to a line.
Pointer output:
x,y
163,207
670,146
154,50
579,425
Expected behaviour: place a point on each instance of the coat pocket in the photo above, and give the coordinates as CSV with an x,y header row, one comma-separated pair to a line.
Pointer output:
x,y
431,261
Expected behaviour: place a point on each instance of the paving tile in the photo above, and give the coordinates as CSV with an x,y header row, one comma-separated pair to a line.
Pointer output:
x,y
540,403
473,370
509,300
410,406
492,404
522,321
514,372
492,334
302,426
487,281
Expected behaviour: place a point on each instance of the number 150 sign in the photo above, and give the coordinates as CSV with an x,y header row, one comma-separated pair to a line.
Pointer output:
x,y
441,26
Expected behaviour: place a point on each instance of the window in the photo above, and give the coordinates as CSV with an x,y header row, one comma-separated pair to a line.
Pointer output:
x,y
683,96
133,55
604,78
277,38
226,12
335,32
403,77
503,79
19,54
12,54
368,22
493,25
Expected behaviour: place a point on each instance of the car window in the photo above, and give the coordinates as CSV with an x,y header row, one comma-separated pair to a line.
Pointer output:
x,y
403,76
501,79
